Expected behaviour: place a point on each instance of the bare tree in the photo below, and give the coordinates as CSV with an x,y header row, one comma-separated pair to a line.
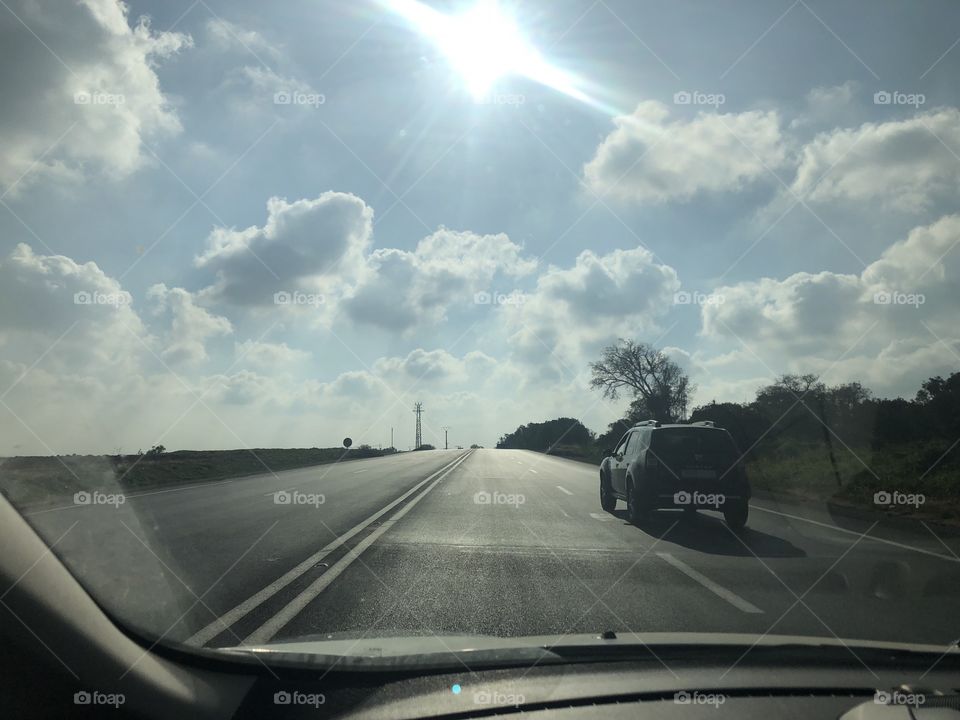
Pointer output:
x,y
652,377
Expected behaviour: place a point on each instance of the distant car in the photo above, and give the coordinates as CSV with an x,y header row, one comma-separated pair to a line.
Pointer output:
x,y
682,466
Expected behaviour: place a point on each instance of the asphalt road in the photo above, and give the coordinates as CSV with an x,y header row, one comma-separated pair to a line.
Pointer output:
x,y
492,542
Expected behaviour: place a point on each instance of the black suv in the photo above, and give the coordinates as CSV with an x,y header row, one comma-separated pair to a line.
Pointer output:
x,y
689,467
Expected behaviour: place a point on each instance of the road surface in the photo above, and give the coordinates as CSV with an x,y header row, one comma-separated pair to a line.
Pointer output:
x,y
492,542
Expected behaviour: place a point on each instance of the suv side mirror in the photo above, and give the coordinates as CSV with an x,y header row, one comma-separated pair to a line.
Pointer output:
x,y
608,452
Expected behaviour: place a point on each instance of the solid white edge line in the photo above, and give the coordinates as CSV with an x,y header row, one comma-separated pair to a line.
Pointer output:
x,y
225,621
894,543
288,612
731,597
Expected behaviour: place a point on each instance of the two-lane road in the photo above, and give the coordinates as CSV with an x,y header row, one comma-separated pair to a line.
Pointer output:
x,y
493,542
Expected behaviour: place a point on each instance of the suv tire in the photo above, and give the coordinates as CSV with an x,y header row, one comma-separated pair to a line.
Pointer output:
x,y
735,514
636,513
608,501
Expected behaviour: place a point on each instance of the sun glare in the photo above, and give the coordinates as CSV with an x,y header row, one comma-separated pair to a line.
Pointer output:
x,y
483,44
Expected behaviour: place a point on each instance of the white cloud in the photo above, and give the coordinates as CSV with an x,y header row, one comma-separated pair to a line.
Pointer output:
x,y
650,159
309,245
903,164
90,107
85,316
190,325
269,355
403,289
896,311
575,310
226,35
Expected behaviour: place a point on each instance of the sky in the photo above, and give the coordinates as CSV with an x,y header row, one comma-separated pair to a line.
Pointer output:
x,y
243,225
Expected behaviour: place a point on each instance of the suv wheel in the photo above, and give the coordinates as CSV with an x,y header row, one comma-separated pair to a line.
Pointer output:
x,y
735,514
635,512
608,501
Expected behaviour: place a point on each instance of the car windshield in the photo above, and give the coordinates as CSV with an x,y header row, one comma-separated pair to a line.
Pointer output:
x,y
319,320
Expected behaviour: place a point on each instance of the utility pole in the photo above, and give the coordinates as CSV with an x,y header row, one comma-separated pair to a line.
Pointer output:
x,y
418,409
446,445
391,436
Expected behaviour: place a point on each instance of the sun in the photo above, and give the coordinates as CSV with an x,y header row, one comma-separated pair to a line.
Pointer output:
x,y
484,44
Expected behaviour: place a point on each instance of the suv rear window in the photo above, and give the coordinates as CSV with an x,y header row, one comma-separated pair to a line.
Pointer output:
x,y
688,441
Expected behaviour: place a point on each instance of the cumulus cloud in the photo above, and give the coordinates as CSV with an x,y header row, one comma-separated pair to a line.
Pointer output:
x,y
190,326
650,159
402,289
901,306
308,245
74,314
902,164
89,108
579,308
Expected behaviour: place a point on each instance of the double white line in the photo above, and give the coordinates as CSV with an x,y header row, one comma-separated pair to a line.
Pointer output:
x,y
272,626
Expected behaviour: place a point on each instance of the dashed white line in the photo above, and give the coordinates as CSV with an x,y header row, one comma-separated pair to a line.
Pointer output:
x,y
731,597
564,490
357,472
534,471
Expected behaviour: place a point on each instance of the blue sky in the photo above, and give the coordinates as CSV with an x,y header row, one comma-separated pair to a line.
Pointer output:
x,y
150,162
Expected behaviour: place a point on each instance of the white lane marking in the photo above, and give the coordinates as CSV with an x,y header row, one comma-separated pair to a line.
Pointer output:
x,y
602,517
738,602
357,472
894,543
206,634
534,471
563,511
564,490
275,624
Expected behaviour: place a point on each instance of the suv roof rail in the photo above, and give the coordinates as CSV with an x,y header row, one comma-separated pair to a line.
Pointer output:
x,y
648,423
705,423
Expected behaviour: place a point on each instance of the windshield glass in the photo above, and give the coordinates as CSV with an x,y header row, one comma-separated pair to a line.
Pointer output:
x,y
692,441
318,320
